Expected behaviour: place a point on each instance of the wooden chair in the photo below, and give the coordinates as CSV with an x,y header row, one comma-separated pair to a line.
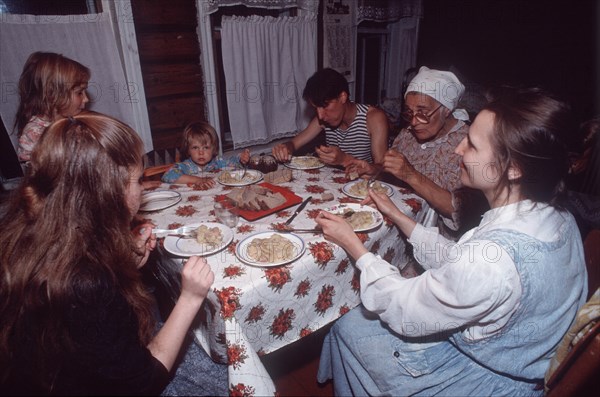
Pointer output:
x,y
591,247
577,374
160,161
154,173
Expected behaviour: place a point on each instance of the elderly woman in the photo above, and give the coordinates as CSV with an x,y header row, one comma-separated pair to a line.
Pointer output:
x,y
422,155
76,318
486,316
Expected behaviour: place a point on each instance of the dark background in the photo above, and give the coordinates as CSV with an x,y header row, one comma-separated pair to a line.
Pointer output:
x,y
549,44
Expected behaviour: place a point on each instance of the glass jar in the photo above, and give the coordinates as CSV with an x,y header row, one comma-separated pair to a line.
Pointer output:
x,y
264,163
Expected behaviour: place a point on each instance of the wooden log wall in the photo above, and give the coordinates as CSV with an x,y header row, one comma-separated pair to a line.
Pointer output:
x,y
170,61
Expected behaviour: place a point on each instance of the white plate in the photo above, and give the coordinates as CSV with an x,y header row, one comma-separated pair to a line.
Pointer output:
x,y
377,216
252,176
158,200
346,189
189,246
241,250
296,163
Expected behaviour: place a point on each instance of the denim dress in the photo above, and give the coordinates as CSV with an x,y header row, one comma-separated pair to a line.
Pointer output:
x,y
365,357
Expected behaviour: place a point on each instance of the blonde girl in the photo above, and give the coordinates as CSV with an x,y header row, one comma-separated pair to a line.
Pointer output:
x,y
51,86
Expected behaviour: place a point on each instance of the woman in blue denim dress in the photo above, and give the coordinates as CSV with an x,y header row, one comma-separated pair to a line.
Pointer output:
x,y
487,314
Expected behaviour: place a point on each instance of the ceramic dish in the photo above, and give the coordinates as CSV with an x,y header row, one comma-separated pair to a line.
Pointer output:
x,y
305,163
347,189
297,249
159,200
252,176
189,246
376,216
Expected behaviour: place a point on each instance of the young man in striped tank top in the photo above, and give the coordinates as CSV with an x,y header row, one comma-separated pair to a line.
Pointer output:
x,y
353,131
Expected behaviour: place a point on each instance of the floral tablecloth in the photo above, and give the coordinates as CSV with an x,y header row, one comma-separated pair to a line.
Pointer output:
x,y
252,311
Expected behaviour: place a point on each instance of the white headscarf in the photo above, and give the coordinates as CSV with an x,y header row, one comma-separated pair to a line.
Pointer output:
x,y
442,86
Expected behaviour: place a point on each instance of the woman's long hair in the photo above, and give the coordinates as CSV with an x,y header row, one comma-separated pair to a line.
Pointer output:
x,y
70,221
532,132
45,86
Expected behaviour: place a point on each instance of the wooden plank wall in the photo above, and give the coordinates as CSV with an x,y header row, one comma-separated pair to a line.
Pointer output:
x,y
170,62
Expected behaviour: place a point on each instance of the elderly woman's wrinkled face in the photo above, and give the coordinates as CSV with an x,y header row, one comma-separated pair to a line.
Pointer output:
x,y
424,105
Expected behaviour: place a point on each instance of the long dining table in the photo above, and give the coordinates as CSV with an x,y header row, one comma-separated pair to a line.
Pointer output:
x,y
254,310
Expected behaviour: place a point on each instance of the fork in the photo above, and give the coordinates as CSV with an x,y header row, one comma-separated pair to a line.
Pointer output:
x,y
245,167
373,179
184,231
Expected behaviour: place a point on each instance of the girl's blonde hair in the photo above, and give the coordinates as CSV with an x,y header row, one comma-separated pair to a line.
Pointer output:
x,y
45,85
203,132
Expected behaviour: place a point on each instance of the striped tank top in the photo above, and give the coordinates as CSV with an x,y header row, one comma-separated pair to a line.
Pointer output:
x,y
356,140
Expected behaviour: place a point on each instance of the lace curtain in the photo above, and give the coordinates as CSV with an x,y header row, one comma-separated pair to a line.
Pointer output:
x,y
403,16
340,21
266,62
89,39
387,10
211,6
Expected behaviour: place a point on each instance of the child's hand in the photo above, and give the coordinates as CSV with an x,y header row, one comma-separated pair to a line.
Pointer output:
x,y
245,156
204,182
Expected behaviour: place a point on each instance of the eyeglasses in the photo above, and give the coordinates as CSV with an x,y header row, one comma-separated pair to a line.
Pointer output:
x,y
422,118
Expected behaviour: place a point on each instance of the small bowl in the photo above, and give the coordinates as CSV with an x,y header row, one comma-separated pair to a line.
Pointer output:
x,y
264,163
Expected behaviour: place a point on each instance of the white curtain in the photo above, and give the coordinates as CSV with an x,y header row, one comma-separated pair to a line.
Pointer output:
x,y
402,53
211,6
89,39
266,62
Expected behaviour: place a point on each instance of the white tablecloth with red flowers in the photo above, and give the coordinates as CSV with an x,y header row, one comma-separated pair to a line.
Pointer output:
x,y
252,311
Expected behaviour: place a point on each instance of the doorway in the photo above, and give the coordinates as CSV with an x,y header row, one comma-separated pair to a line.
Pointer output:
x,y
371,60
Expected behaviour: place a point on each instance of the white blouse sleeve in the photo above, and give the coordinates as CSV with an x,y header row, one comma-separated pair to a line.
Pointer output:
x,y
429,246
477,286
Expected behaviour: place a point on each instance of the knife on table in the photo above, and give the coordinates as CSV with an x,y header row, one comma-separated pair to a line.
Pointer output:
x,y
300,208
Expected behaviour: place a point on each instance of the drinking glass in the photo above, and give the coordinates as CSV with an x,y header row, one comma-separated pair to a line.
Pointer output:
x,y
226,212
